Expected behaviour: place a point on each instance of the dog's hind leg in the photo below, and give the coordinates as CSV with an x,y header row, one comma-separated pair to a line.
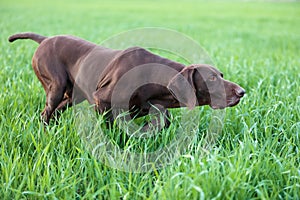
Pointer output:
x,y
55,82
65,103
54,97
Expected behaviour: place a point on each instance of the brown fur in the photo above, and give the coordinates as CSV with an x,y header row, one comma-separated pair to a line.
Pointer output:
x,y
64,64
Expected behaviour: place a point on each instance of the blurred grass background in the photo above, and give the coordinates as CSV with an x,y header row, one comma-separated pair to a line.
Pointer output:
x,y
255,44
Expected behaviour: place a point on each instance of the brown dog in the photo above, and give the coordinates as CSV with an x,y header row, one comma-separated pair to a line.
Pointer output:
x,y
66,65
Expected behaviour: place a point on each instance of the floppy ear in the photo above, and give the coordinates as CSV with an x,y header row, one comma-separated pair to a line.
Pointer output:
x,y
182,87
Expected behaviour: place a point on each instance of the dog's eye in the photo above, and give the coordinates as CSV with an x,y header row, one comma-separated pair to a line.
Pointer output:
x,y
213,78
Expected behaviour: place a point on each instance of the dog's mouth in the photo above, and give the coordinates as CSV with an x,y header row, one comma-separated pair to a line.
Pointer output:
x,y
229,103
233,102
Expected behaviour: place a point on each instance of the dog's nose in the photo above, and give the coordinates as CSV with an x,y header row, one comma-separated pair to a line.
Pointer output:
x,y
240,92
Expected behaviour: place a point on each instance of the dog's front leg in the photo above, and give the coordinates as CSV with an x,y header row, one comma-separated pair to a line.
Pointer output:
x,y
104,109
161,119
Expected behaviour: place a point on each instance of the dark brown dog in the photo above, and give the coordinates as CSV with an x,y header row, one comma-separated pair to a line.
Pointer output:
x,y
66,65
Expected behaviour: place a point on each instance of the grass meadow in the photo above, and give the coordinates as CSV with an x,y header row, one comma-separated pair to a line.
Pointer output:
x,y
257,154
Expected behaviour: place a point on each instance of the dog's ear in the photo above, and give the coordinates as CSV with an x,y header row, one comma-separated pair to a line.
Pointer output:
x,y
182,87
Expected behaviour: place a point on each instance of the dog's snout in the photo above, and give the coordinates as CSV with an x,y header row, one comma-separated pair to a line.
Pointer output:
x,y
240,92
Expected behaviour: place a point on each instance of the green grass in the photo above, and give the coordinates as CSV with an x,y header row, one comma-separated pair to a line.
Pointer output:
x,y
257,155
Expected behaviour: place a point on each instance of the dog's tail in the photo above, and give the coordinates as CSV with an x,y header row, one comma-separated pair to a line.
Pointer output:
x,y
35,37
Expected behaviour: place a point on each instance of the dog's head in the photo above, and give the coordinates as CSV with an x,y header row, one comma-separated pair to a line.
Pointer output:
x,y
204,85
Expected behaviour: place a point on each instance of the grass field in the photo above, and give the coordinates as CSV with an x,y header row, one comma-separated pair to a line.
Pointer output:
x,y
257,155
